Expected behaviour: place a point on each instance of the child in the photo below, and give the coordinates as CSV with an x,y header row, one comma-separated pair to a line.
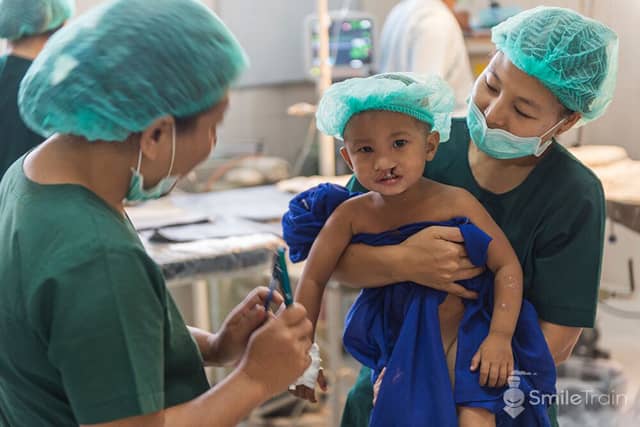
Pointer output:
x,y
391,125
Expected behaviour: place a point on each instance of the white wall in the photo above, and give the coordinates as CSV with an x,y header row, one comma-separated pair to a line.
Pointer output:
x,y
620,125
259,113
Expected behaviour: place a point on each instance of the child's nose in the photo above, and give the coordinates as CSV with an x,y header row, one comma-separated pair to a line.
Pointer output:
x,y
383,162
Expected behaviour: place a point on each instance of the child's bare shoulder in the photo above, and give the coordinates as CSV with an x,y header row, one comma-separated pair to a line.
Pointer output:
x,y
349,213
356,204
354,209
459,200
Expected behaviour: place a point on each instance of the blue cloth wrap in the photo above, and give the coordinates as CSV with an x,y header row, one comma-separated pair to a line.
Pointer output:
x,y
397,327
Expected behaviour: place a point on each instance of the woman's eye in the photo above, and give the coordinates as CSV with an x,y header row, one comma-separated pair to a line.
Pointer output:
x,y
399,143
520,113
491,88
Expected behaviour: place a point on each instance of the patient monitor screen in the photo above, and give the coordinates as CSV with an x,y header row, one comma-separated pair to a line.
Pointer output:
x,y
350,46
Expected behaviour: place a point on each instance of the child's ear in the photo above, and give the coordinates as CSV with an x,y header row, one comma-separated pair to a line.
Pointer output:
x,y
433,140
345,156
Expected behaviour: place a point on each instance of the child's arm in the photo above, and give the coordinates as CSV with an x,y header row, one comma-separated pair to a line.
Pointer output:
x,y
325,252
495,363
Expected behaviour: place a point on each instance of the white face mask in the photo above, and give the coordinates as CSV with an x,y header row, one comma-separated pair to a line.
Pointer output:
x,y
499,143
137,193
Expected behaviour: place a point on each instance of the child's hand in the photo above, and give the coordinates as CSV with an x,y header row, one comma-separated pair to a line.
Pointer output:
x,y
495,359
306,393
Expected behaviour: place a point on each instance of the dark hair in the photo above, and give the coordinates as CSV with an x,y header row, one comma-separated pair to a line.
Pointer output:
x,y
185,124
426,126
49,33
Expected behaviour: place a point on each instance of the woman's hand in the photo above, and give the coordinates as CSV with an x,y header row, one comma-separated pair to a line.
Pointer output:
x,y
436,257
229,343
278,351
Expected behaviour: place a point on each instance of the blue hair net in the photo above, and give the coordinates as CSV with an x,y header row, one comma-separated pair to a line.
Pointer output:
x,y
575,57
428,98
21,18
116,69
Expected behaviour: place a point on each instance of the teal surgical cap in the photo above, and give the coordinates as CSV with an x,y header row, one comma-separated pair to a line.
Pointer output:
x,y
427,98
22,18
116,69
575,57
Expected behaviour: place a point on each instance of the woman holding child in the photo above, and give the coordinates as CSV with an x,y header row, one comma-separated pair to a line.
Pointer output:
x,y
553,70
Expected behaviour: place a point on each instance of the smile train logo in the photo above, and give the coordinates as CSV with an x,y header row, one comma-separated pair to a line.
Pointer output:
x,y
514,397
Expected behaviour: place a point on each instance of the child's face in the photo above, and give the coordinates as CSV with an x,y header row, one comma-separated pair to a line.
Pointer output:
x,y
387,151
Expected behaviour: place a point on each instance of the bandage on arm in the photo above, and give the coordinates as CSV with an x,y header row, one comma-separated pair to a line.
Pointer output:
x,y
310,376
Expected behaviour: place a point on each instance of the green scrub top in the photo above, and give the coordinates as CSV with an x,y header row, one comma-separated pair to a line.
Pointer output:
x,y
17,139
88,331
555,222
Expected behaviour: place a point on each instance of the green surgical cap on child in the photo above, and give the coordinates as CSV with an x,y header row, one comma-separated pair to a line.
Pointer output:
x,y
116,69
22,18
575,57
427,98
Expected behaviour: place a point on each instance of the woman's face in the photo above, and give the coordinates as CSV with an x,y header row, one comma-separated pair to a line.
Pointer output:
x,y
516,102
195,144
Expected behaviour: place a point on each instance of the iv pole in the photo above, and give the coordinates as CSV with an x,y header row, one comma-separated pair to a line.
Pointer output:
x,y
326,152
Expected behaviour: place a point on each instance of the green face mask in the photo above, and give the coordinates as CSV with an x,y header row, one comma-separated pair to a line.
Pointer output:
x,y
137,192
499,143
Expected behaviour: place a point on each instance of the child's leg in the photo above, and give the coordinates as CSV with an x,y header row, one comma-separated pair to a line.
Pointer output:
x,y
450,313
475,417
450,354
